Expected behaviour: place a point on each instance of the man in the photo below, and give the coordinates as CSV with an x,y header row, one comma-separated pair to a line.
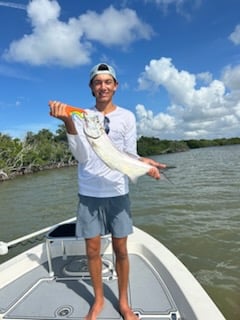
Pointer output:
x,y
103,193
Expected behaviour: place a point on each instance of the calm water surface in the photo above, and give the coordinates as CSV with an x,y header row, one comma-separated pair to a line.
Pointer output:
x,y
197,217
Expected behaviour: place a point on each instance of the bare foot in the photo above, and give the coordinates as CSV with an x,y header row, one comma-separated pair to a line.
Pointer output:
x,y
128,314
94,311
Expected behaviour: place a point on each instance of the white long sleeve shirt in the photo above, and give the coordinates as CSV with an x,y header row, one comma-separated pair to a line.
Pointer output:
x,y
94,177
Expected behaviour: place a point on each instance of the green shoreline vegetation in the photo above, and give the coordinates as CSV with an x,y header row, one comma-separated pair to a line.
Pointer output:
x,y
46,150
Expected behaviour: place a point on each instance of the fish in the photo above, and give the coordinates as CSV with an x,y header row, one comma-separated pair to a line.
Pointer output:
x,y
102,145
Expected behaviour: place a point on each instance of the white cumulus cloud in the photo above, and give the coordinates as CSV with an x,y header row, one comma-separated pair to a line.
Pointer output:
x,y
196,110
150,125
231,77
53,41
125,27
235,35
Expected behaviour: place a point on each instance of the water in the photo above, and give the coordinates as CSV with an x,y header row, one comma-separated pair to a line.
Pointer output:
x,y
197,217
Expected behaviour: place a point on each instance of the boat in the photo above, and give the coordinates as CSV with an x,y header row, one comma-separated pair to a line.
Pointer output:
x,y
51,280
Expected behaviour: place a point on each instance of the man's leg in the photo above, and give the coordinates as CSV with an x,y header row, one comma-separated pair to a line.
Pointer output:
x,y
122,268
93,248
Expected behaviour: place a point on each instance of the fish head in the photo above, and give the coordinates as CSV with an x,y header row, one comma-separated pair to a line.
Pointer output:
x,y
92,126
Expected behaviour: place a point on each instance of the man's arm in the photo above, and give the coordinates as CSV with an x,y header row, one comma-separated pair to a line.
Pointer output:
x,y
58,110
79,151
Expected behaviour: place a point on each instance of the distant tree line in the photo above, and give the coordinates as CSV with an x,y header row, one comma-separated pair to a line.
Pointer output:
x,y
47,150
154,146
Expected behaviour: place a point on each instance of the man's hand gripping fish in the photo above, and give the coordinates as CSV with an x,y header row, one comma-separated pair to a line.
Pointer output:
x,y
104,148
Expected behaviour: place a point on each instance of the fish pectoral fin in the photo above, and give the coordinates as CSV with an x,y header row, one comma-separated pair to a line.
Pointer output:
x,y
133,179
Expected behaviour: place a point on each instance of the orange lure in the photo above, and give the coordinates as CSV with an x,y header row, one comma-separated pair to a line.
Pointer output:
x,y
70,110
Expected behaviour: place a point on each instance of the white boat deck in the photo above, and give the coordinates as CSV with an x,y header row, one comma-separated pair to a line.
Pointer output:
x,y
37,296
29,291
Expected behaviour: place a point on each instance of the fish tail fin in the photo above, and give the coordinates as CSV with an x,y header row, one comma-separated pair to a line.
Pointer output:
x,y
164,177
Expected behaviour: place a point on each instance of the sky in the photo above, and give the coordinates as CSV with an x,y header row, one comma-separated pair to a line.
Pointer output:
x,y
177,63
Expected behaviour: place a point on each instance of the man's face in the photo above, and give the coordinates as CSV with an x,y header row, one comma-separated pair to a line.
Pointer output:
x,y
103,87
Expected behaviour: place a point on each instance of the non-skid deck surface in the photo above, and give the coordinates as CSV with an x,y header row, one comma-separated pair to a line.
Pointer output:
x,y
65,297
61,299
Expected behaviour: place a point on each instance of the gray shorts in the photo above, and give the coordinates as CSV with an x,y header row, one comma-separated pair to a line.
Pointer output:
x,y
100,216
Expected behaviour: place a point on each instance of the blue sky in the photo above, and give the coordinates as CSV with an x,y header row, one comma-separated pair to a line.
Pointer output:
x,y
177,62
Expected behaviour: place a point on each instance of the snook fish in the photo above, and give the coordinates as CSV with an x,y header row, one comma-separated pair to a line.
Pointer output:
x,y
105,149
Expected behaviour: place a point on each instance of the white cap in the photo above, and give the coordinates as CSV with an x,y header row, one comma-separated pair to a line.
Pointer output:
x,y
102,68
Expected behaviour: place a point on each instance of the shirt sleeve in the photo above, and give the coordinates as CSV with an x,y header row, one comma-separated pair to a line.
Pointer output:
x,y
77,148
